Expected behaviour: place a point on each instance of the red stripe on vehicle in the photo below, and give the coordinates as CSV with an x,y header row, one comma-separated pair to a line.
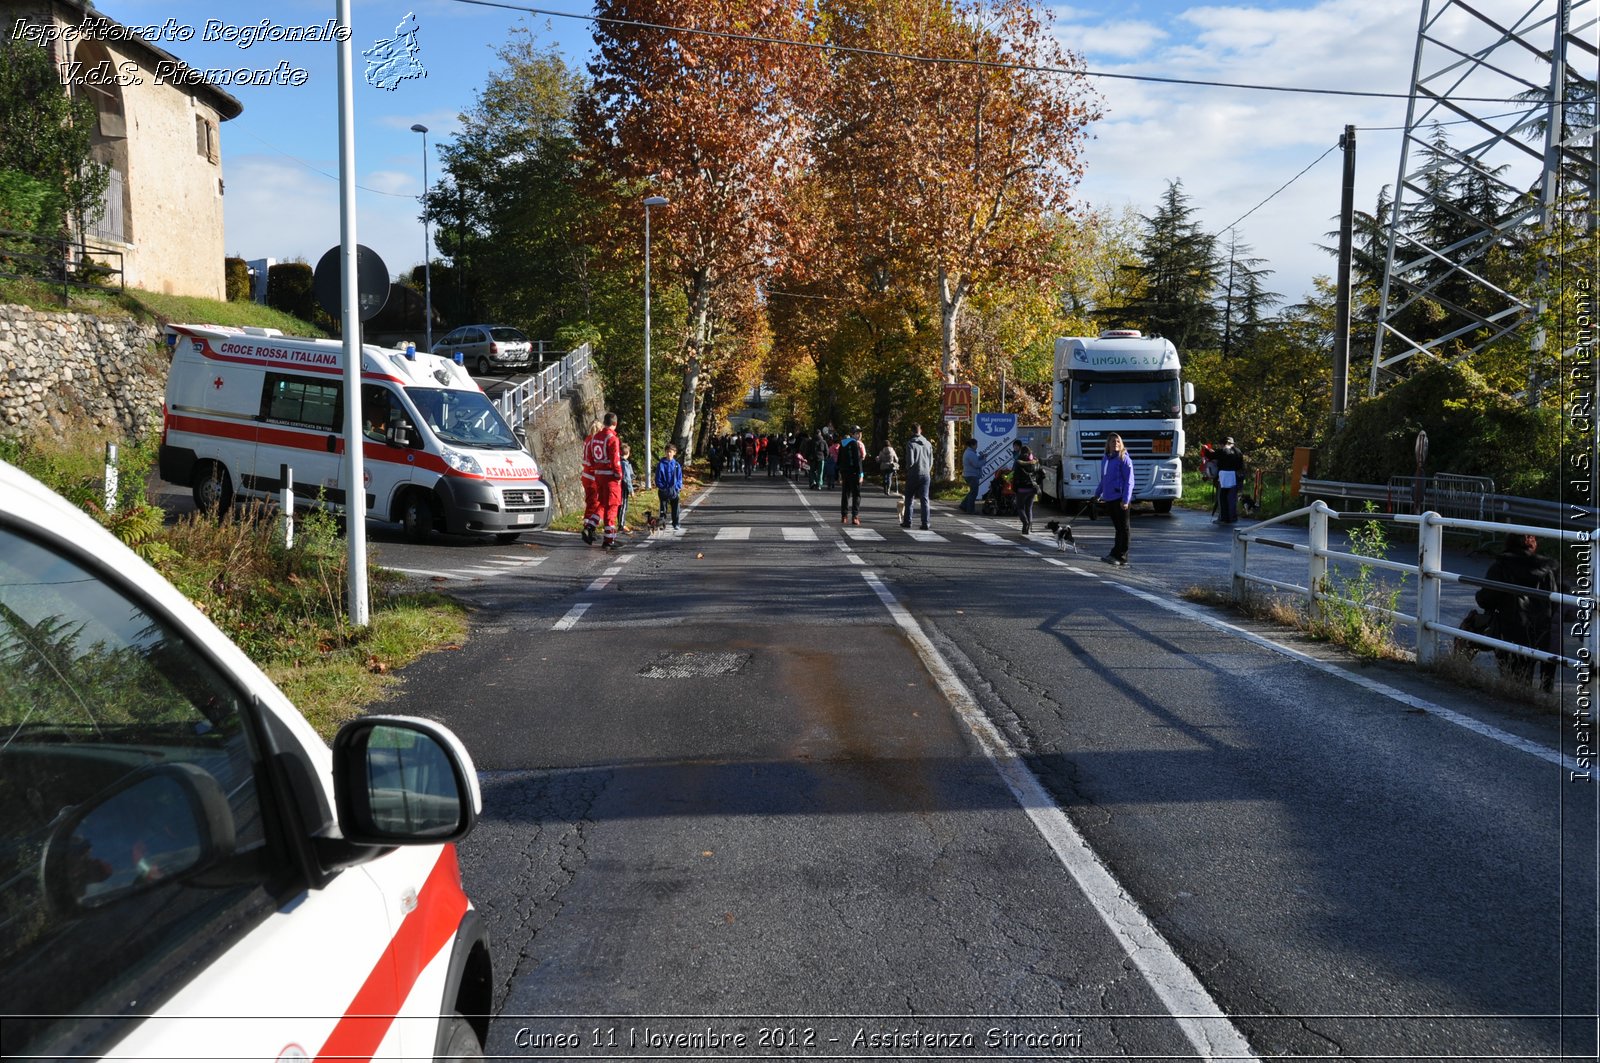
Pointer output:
x,y
423,933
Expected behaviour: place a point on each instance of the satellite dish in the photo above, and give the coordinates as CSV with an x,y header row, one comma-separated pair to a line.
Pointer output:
x,y
372,283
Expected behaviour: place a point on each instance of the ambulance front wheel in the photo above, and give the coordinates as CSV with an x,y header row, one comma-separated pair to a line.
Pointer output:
x,y
1162,505
213,489
417,516
460,1040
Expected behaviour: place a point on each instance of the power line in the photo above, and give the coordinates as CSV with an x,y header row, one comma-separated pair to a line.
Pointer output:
x,y
1286,184
825,46
325,173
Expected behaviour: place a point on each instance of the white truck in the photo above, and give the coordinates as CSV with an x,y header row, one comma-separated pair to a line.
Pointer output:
x,y
242,403
1124,382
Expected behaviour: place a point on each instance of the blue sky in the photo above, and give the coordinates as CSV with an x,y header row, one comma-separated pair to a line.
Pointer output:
x,y
1232,148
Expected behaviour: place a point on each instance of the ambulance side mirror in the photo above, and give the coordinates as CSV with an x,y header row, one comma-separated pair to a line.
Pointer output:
x,y
402,435
400,780
1189,409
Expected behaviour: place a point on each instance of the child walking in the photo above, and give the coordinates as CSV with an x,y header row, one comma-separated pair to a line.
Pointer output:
x,y
669,481
627,488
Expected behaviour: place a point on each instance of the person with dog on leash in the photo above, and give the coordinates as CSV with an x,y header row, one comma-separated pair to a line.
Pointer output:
x,y
919,475
1230,471
669,482
1116,491
605,456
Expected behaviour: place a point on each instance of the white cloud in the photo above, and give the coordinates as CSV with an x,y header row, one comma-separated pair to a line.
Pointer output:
x,y
1233,148
277,208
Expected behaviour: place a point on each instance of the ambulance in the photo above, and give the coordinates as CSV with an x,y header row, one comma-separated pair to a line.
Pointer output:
x,y
243,403
187,870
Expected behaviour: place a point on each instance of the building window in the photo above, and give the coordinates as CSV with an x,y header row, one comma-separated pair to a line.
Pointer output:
x,y
205,138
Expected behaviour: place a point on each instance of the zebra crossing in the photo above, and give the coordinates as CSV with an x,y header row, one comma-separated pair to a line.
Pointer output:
x,y
493,567
501,566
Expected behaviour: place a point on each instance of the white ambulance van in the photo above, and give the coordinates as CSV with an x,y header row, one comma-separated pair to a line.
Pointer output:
x,y
187,871
243,403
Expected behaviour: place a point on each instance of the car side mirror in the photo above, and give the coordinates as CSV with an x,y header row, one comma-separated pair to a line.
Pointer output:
x,y
151,827
399,780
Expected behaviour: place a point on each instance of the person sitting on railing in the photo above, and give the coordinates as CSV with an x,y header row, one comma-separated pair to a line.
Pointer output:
x,y
1521,618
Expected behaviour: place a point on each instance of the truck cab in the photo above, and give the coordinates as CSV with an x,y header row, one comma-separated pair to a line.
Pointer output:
x,y
1122,382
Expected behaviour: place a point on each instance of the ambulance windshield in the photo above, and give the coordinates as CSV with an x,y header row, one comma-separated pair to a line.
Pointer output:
x,y
463,418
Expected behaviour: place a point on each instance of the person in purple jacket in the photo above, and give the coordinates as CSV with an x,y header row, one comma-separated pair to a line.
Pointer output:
x,y
1116,491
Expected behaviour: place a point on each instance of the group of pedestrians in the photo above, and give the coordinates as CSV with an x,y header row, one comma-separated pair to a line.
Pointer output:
x,y
608,482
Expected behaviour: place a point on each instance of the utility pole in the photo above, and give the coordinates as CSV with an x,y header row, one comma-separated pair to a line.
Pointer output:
x,y
1341,309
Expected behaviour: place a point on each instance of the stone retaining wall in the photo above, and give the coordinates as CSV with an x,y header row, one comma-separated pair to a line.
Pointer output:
x,y
59,370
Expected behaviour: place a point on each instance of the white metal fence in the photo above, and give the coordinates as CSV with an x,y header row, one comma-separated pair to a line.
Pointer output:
x,y
1431,576
527,398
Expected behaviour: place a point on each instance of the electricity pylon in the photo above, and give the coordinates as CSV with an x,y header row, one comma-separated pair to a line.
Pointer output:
x,y
1525,90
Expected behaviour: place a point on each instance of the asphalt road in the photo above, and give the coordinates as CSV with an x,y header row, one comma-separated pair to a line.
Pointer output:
x,y
858,792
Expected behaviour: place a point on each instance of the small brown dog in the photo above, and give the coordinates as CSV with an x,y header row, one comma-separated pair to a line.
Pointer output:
x,y
900,508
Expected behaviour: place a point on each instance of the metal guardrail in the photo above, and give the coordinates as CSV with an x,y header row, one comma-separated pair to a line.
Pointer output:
x,y
57,261
1455,496
538,391
1429,570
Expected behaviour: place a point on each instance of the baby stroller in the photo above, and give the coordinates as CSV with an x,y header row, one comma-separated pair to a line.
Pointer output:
x,y
1000,500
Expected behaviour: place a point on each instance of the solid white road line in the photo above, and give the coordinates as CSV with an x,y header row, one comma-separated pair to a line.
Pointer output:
x,y
566,622
1543,752
1210,1031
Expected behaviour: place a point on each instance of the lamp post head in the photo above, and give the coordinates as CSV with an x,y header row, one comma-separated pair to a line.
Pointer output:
x,y
419,128
655,201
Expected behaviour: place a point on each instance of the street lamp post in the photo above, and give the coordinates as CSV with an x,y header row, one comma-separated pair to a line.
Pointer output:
x,y
427,247
650,201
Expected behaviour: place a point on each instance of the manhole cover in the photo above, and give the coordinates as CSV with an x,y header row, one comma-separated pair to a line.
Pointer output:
x,y
695,665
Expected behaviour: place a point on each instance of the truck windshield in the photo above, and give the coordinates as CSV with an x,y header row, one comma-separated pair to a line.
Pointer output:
x,y
465,418
1125,395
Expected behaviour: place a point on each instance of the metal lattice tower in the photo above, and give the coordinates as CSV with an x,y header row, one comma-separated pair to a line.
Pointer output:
x,y
1500,81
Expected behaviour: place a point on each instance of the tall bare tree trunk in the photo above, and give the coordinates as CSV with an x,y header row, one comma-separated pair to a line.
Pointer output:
x,y
952,297
698,340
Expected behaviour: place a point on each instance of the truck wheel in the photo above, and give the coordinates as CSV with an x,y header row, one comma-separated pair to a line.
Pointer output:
x,y
213,489
507,537
460,1041
416,516
1162,505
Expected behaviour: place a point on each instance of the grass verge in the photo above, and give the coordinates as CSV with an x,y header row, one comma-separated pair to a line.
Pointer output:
x,y
154,307
283,606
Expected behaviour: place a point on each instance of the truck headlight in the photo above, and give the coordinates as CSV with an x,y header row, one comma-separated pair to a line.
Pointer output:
x,y
460,462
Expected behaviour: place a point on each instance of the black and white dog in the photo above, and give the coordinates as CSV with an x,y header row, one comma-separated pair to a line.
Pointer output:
x,y
1063,534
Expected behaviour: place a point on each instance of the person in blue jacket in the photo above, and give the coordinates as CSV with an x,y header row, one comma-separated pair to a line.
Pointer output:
x,y
669,481
1116,491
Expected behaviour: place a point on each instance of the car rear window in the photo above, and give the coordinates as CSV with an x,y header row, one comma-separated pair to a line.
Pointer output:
x,y
508,335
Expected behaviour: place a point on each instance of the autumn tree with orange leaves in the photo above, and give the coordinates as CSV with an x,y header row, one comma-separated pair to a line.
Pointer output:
x,y
683,104
953,129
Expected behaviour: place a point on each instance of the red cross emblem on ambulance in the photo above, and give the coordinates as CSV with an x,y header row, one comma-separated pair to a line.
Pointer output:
x,y
217,383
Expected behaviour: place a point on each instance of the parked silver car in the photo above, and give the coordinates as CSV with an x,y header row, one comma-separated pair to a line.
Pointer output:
x,y
486,347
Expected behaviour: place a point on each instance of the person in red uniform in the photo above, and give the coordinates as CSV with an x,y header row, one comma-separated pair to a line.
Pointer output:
x,y
591,498
605,456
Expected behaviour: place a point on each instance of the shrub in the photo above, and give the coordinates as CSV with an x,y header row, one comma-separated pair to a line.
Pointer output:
x,y
289,289
238,280
1472,429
